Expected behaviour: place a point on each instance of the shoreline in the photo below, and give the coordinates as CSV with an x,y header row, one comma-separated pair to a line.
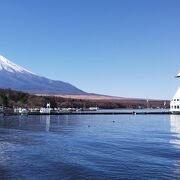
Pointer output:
x,y
94,113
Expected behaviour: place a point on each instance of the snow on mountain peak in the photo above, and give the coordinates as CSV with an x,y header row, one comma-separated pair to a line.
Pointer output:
x,y
9,66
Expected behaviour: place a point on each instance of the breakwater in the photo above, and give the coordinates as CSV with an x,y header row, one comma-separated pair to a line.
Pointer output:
x,y
95,113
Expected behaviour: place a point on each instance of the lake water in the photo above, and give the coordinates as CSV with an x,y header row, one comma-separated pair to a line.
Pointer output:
x,y
90,147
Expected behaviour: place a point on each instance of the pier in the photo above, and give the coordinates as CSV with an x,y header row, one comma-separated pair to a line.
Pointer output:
x,y
94,113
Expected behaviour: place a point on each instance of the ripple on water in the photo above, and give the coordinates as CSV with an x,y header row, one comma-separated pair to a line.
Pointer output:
x,y
90,147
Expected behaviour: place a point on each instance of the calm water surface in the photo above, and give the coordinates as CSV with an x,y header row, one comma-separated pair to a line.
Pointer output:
x,y
90,147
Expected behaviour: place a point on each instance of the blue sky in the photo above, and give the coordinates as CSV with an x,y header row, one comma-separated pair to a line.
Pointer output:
x,y
128,48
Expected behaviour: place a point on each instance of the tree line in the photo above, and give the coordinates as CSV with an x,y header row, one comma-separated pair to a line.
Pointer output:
x,y
11,98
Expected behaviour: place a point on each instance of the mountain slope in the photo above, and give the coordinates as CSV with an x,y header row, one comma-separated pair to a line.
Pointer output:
x,y
18,78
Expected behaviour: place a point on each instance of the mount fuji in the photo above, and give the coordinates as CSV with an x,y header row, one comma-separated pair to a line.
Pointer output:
x,y
18,78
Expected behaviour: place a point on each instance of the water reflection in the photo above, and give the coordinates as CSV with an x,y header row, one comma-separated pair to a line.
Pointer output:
x,y
45,122
41,123
88,147
175,130
175,141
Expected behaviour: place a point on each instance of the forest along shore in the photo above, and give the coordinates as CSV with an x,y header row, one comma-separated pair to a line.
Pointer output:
x,y
15,99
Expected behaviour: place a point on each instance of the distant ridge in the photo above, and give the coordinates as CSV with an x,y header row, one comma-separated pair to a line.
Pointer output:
x,y
18,78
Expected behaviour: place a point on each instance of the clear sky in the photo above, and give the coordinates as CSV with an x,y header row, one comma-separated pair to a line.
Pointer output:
x,y
128,48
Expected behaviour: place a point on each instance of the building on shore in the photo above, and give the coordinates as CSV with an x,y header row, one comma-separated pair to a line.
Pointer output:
x,y
175,102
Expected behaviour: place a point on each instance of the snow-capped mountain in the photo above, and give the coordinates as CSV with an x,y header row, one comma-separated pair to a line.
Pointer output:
x,y
9,66
18,78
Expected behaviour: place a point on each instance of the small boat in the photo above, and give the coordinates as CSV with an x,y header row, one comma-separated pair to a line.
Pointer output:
x,y
21,111
24,112
45,111
93,109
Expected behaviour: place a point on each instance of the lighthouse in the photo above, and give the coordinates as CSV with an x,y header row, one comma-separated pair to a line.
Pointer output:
x,y
175,102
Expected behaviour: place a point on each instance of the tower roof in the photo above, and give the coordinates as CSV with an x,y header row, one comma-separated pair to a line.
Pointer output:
x,y
178,75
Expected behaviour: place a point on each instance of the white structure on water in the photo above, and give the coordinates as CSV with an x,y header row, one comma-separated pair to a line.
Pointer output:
x,y
46,110
175,102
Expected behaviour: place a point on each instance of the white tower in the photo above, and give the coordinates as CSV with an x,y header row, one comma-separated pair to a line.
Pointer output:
x,y
48,105
175,102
